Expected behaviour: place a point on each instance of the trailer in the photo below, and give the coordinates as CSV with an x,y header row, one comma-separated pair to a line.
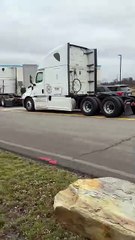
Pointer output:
x,y
14,79
67,80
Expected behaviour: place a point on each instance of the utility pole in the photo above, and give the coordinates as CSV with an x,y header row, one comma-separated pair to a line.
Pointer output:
x,y
120,78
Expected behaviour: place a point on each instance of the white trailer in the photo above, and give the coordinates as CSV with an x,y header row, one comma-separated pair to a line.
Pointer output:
x,y
14,78
68,80
7,79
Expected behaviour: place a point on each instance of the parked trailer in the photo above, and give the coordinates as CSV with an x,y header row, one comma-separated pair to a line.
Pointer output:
x,y
67,80
14,79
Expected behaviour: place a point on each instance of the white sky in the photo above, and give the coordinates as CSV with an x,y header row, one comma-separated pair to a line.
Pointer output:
x,y
31,28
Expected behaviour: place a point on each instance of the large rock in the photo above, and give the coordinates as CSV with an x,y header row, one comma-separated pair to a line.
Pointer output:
x,y
99,209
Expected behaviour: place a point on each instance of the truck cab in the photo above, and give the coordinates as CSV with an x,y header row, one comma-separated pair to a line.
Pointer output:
x,y
67,74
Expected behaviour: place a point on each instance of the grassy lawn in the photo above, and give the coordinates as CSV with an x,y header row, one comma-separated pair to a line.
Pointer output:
x,y
27,191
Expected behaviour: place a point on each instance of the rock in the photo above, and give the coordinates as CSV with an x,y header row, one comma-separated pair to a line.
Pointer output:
x,y
98,209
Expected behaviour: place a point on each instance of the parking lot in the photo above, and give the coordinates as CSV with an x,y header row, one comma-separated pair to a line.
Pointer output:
x,y
93,145
129,116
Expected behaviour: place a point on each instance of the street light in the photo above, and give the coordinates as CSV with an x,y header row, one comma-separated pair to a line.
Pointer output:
x,y
120,55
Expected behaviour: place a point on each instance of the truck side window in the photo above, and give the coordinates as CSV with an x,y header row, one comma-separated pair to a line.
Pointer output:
x,y
39,77
57,56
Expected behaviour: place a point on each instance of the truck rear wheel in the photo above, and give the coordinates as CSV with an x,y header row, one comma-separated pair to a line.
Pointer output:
x,y
112,107
89,106
29,104
99,105
122,103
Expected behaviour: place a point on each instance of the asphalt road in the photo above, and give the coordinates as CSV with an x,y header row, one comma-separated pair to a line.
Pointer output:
x,y
94,145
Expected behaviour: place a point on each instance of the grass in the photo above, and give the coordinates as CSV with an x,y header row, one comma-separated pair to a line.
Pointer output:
x,y
27,191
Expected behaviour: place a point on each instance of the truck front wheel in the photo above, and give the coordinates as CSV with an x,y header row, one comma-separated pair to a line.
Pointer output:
x,y
29,104
89,106
111,107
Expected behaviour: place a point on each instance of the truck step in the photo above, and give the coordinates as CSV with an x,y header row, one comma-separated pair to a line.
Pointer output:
x,y
90,92
90,81
90,71
90,65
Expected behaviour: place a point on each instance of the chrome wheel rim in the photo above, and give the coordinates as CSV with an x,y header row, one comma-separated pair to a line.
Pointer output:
x,y
87,106
29,105
109,107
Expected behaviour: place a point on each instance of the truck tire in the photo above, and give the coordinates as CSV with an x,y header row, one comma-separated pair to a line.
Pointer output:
x,y
2,102
111,107
122,103
99,105
133,109
29,104
7,102
89,106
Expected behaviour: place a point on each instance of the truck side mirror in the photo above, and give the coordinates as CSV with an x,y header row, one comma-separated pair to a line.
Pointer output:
x,y
31,79
23,90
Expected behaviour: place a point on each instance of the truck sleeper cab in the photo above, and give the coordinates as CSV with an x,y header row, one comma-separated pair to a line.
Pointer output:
x,y
68,75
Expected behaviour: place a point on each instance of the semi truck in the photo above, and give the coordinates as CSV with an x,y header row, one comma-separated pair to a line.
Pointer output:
x,y
67,80
14,79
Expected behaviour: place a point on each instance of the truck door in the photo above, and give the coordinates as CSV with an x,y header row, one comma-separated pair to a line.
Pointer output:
x,y
39,85
40,99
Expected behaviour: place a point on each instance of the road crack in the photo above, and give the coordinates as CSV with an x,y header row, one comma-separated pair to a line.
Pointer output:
x,y
109,147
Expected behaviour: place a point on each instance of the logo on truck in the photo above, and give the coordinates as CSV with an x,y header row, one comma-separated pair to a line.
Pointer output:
x,y
48,89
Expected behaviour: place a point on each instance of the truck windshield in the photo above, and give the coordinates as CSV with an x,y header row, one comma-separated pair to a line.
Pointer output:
x,y
39,77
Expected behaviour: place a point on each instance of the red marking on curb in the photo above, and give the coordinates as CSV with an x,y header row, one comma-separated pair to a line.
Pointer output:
x,y
49,160
45,159
53,162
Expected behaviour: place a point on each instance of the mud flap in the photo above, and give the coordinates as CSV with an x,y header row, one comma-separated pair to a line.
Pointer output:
x,y
127,109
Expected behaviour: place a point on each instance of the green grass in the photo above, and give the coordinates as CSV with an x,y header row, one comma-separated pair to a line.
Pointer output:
x,y
27,191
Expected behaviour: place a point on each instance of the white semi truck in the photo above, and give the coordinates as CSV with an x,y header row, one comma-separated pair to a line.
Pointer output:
x,y
67,80
13,81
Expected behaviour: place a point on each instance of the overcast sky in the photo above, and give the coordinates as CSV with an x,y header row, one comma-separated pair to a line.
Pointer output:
x,y
31,28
